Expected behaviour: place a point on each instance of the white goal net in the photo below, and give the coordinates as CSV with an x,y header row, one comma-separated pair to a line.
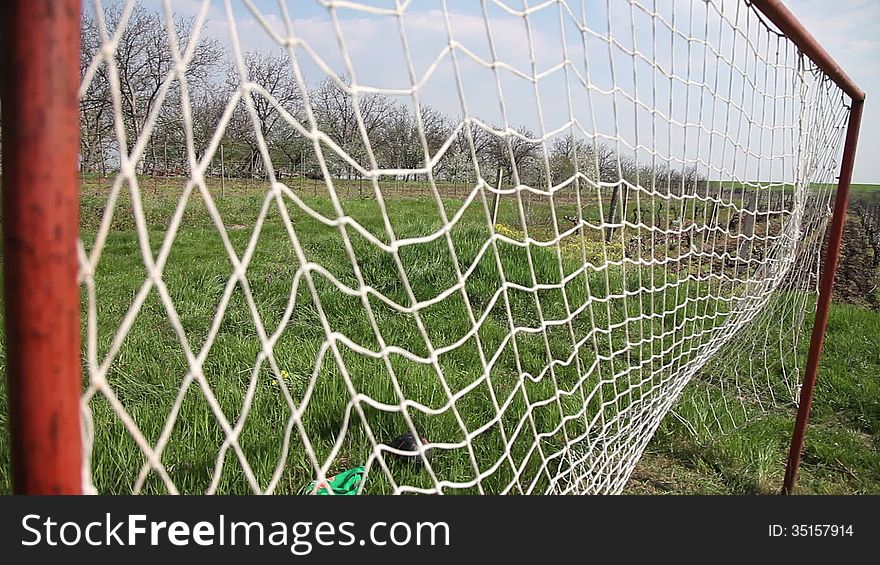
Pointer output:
x,y
519,231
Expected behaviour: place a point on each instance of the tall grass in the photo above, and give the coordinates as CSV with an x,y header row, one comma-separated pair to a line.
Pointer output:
x,y
149,374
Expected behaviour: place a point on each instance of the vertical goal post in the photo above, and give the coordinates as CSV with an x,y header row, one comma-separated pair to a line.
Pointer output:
x,y
786,21
40,69
40,192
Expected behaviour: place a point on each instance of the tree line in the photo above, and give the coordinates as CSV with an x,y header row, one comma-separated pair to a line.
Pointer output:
x,y
399,136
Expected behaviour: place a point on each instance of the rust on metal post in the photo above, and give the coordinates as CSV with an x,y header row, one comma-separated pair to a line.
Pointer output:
x,y
40,111
788,24
823,306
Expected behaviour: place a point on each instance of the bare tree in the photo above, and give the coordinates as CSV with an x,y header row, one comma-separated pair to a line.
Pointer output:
x,y
278,91
569,154
96,105
207,109
400,139
458,161
513,155
144,62
336,113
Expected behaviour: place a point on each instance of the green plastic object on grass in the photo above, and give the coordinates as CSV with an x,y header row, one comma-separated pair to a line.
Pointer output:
x,y
345,483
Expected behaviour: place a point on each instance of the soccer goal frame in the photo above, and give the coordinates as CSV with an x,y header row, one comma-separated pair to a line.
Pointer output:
x,y
40,183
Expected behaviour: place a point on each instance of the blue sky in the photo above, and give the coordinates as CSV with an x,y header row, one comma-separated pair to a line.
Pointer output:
x,y
847,28
850,31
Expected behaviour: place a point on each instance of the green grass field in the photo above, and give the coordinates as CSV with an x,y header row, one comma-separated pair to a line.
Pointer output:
x,y
842,450
856,189
864,187
150,366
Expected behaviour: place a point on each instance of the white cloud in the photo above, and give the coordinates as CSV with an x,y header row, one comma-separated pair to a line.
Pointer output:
x,y
847,29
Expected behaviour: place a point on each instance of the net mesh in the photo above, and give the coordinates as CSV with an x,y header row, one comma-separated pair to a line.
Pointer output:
x,y
519,231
